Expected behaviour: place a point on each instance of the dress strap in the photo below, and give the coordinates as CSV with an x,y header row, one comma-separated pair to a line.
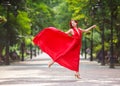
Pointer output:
x,y
76,31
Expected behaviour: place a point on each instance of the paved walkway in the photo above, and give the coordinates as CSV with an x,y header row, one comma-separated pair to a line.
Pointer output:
x,y
35,72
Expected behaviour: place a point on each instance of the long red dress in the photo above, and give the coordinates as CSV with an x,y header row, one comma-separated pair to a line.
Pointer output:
x,y
61,47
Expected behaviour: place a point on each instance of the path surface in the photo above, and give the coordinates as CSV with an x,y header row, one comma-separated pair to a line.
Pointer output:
x,y
35,72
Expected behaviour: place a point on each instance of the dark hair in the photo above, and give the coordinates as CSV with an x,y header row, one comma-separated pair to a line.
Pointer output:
x,y
71,23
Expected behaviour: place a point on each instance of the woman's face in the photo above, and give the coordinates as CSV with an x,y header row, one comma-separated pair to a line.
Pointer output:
x,y
73,23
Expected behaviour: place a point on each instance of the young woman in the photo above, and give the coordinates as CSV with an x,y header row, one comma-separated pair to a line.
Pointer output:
x,y
62,47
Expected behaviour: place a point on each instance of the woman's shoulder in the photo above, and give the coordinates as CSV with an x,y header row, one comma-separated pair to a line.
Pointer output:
x,y
80,29
70,30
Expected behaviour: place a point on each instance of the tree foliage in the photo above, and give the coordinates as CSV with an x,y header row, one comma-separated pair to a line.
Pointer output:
x,y
34,15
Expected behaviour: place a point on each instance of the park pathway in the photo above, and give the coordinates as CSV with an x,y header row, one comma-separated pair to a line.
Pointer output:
x,y
35,72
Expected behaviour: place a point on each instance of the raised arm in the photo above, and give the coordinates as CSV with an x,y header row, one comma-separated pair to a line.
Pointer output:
x,y
88,29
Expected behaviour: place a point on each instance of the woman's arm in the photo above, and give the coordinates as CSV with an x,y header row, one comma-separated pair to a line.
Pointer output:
x,y
70,31
88,29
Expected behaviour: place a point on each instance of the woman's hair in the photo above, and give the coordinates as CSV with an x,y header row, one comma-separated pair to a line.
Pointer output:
x,y
71,23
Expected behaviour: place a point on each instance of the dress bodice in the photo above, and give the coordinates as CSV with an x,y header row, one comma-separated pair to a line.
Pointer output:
x,y
77,33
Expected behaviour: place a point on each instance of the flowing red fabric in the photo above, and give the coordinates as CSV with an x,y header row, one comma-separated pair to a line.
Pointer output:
x,y
61,47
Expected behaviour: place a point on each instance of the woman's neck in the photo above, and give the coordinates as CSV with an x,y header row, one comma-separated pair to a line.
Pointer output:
x,y
74,27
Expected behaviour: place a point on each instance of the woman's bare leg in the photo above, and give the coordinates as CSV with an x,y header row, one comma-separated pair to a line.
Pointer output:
x,y
77,75
51,63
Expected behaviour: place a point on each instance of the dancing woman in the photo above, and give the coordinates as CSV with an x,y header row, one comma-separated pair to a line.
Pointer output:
x,y
62,47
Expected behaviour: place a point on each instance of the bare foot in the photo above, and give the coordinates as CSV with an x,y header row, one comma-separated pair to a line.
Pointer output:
x,y
50,64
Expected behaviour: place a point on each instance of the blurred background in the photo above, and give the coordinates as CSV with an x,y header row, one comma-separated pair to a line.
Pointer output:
x,y
21,20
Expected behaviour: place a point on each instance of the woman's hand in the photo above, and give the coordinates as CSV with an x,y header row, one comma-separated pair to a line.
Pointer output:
x,y
93,26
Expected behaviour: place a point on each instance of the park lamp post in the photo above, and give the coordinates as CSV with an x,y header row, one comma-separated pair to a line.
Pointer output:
x,y
7,5
91,51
